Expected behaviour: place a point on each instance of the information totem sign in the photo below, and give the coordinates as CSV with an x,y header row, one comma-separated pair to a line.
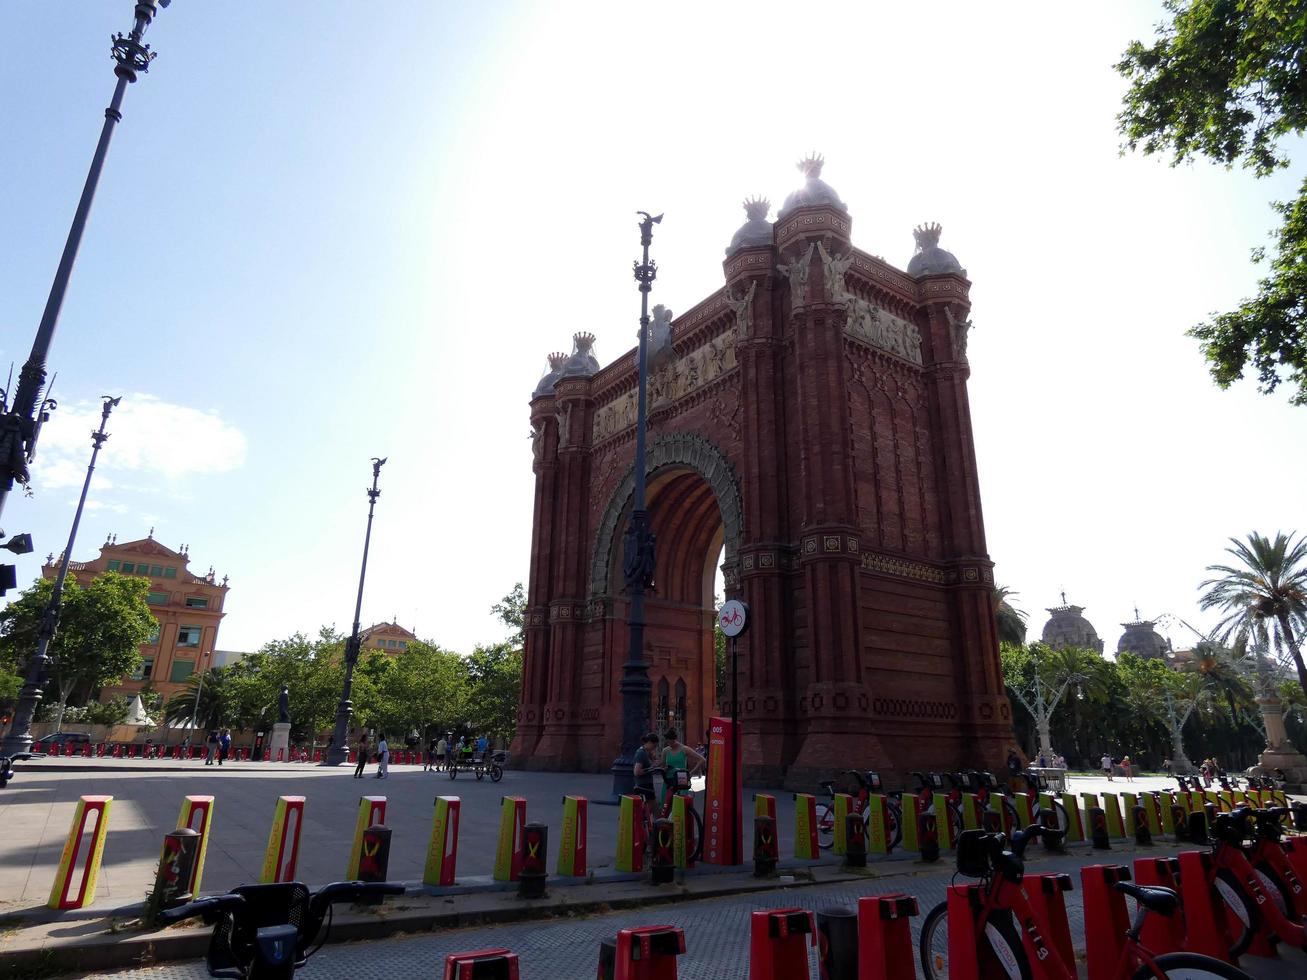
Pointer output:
x,y
721,819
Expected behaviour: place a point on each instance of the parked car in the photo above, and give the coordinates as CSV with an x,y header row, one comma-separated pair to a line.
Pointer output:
x,y
60,740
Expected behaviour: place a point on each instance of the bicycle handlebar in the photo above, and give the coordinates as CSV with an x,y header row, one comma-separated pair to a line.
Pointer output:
x,y
200,907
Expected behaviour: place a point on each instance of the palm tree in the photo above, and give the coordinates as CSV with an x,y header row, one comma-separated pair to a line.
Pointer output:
x,y
1225,671
1265,597
202,699
1011,620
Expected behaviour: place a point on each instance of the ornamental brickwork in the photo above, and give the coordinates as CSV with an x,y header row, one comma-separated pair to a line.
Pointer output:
x,y
813,428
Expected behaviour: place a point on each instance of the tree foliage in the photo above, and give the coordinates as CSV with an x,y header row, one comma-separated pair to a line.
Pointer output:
x,y
100,630
1224,80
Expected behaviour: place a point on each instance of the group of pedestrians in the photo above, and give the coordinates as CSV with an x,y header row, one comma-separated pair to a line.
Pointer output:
x,y
382,756
219,746
446,752
1127,767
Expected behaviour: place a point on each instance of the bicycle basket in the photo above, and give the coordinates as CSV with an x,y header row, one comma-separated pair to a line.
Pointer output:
x,y
974,850
681,779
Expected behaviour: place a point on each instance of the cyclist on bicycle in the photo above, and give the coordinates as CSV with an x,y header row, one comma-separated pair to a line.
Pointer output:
x,y
644,767
678,756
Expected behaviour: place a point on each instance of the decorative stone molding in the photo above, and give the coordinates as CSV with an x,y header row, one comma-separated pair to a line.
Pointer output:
x,y
684,450
913,708
904,568
883,330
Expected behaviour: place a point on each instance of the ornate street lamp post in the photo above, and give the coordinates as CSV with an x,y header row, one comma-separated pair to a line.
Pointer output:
x,y
637,547
20,420
338,751
19,738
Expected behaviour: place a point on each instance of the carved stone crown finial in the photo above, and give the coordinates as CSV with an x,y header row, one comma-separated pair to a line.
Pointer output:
x,y
756,208
556,360
927,235
810,166
583,342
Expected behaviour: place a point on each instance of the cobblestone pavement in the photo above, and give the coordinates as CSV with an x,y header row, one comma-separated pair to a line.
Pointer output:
x,y
716,934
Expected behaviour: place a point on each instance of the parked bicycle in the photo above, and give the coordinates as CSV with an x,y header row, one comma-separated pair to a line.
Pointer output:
x,y
480,767
267,932
1010,941
682,783
859,785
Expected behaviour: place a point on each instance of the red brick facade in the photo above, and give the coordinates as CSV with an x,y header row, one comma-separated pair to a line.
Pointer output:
x,y
815,422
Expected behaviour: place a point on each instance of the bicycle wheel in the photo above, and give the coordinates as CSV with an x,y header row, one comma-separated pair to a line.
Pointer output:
x,y
1003,953
933,944
1238,911
825,826
1274,886
480,774
697,820
453,772
496,773
1190,966
1063,821
893,824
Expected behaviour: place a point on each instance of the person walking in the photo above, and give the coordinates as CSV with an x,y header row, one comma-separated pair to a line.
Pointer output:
x,y
362,752
212,748
383,756
1106,763
442,747
1125,767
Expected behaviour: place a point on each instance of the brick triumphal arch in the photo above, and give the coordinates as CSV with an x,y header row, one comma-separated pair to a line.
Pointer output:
x,y
812,432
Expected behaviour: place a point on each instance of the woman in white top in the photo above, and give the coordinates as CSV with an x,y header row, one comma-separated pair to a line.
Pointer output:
x,y
383,756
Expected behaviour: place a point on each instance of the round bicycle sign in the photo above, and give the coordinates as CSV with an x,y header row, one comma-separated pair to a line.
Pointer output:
x,y
733,617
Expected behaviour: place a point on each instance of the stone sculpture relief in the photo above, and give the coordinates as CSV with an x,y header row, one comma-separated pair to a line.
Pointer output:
x,y
883,329
537,440
564,416
670,383
833,268
797,273
743,308
960,328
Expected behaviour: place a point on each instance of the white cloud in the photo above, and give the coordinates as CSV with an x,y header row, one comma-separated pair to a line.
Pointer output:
x,y
147,436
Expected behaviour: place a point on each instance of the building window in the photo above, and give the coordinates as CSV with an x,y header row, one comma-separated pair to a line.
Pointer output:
x,y
403,645
156,569
113,565
170,572
197,602
181,669
143,670
189,636
157,598
129,567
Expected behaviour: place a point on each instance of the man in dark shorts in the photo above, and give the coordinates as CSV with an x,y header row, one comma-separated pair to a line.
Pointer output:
x,y
644,763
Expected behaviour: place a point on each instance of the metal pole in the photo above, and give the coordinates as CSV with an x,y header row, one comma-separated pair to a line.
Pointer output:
x,y
339,750
19,738
19,426
737,845
638,547
196,709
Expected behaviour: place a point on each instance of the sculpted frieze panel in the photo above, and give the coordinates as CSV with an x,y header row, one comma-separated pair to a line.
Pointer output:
x,y
880,328
674,381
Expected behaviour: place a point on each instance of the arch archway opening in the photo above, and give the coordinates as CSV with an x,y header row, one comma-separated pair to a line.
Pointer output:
x,y
680,610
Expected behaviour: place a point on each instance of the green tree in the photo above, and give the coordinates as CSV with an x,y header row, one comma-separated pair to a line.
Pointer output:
x,y
100,630
424,688
203,698
1224,80
511,611
310,668
494,676
1264,597
1011,620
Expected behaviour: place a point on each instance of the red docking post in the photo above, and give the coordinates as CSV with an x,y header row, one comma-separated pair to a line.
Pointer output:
x,y
885,937
778,944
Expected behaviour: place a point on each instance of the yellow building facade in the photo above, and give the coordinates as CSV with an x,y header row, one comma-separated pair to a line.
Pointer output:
x,y
188,608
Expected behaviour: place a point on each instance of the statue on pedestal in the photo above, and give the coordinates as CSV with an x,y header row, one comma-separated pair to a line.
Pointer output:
x,y
283,705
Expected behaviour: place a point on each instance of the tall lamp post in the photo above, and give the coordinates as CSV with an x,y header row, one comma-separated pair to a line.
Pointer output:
x,y
19,738
20,420
338,751
637,546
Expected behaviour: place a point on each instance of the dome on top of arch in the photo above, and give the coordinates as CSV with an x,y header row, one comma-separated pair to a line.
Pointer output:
x,y
1142,640
583,362
546,385
930,259
757,230
814,191
1066,627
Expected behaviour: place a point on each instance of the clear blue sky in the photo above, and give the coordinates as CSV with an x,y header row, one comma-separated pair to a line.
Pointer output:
x,y
328,231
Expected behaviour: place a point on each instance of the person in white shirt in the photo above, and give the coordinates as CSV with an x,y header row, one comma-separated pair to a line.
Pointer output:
x,y
383,756
1106,763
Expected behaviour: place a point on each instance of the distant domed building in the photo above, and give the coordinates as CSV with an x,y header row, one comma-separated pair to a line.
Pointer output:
x,y
1142,640
1066,627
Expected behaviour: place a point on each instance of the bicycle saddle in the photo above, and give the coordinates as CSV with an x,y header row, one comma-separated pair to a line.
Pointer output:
x,y
1152,897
